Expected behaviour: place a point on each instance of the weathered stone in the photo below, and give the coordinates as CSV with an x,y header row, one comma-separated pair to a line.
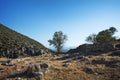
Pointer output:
x,y
38,75
6,62
115,53
86,59
18,78
46,70
103,60
88,70
30,70
36,68
45,67
1,70
66,63
99,61
114,65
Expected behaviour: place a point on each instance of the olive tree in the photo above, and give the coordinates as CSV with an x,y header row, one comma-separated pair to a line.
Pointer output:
x,y
58,40
104,36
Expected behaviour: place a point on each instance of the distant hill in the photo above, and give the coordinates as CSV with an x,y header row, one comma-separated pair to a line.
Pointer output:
x,y
14,44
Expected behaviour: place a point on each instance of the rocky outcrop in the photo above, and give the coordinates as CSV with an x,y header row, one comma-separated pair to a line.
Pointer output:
x,y
89,49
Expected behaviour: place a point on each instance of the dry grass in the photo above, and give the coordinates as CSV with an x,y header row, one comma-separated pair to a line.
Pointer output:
x,y
72,72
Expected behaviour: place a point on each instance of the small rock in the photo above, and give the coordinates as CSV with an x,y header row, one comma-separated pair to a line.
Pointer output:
x,y
38,73
66,64
114,65
88,70
1,70
18,78
44,65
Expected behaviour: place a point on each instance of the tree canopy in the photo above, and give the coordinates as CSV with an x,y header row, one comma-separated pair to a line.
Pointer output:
x,y
91,38
58,40
105,36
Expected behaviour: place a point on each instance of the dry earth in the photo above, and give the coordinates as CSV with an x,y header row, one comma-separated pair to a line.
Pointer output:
x,y
76,70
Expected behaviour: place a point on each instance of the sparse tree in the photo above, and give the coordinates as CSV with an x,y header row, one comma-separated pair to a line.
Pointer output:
x,y
58,40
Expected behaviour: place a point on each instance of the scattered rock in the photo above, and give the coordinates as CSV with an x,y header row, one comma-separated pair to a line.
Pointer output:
x,y
100,61
88,70
37,67
45,67
7,63
37,70
38,75
18,78
30,70
114,65
66,63
1,70
115,53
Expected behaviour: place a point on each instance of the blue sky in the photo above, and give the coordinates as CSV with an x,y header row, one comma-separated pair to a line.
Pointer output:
x,y
39,19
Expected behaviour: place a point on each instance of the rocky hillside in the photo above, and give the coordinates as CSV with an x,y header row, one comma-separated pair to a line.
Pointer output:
x,y
14,44
92,49
95,49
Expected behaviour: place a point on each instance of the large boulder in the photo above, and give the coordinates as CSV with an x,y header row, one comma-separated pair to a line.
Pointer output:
x,y
37,70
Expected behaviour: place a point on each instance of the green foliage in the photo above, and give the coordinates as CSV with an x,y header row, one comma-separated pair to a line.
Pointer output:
x,y
58,40
91,38
105,36
112,30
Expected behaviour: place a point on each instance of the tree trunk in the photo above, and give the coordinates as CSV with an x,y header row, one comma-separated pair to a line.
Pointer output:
x,y
58,50
114,46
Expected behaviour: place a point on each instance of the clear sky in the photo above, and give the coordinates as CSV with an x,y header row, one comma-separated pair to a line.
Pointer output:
x,y
39,19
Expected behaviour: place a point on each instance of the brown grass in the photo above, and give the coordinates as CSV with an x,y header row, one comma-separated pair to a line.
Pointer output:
x,y
72,72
